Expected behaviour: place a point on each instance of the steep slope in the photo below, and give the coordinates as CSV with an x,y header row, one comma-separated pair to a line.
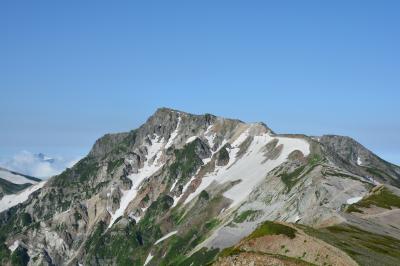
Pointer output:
x,y
12,182
15,188
183,187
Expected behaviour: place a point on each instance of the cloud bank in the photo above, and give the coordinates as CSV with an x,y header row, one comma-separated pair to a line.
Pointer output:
x,y
37,165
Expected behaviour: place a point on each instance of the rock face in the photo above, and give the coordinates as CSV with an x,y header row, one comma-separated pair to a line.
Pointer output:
x,y
182,188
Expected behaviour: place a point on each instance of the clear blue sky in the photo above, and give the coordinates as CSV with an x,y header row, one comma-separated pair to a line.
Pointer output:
x,y
72,71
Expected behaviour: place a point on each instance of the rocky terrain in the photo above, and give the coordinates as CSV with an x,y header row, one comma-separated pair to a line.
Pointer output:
x,y
187,189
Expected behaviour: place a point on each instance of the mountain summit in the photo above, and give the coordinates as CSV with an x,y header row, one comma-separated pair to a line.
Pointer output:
x,y
186,189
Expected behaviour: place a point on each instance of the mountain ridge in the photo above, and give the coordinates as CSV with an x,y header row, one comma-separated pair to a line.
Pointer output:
x,y
181,188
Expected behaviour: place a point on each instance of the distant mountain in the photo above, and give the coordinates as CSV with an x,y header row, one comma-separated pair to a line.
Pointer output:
x,y
37,164
15,188
42,157
12,182
187,189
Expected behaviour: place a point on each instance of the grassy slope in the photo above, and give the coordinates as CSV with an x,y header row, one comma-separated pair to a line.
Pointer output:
x,y
364,247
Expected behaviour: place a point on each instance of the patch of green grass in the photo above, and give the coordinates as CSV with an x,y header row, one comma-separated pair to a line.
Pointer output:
x,y
222,155
290,179
178,246
26,219
353,208
204,195
202,257
11,188
382,198
246,215
229,252
120,246
20,257
364,247
315,159
211,224
155,211
272,228
232,251
186,162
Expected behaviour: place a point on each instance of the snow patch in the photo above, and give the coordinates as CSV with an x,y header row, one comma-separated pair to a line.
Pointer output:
x,y
250,169
154,151
174,134
148,259
359,162
9,201
209,136
176,199
15,178
191,139
354,200
165,237
14,246
173,185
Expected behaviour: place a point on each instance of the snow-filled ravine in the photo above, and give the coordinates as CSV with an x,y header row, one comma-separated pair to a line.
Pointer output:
x,y
251,168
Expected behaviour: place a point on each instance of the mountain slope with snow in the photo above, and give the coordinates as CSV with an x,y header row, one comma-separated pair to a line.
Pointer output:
x,y
12,182
182,188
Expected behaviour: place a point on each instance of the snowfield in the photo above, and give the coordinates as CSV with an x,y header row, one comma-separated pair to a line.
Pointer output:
x,y
250,168
14,178
9,201
165,237
354,200
148,259
149,168
174,134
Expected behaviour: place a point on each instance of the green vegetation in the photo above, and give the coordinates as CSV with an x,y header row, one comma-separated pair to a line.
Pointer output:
x,y
121,246
180,245
155,211
232,251
211,224
364,247
246,216
112,165
382,198
202,257
26,219
186,163
204,195
83,171
315,159
222,156
229,252
272,228
20,257
376,172
353,208
290,179
11,188
77,216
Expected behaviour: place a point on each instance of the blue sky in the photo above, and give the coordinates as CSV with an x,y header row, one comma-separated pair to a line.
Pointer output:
x,y
73,71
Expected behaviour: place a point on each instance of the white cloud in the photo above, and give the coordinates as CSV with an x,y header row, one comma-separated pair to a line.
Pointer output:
x,y
35,165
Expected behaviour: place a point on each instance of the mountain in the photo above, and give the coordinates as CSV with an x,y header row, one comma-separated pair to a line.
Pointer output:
x,y
12,182
37,164
15,188
44,158
187,189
